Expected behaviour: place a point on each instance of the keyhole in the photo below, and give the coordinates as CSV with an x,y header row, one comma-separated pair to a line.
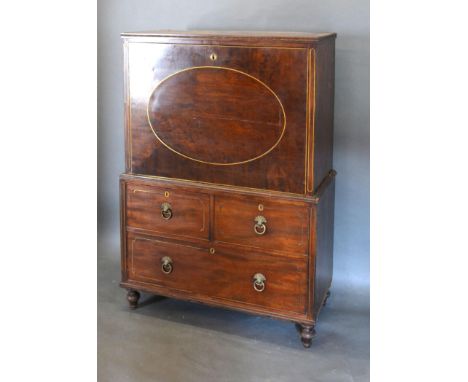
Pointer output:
x,y
213,56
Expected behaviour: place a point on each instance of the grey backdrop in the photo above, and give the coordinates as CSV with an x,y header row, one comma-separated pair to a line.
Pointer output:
x,y
349,18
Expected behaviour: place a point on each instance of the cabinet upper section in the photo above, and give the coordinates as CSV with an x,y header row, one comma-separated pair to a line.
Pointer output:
x,y
201,108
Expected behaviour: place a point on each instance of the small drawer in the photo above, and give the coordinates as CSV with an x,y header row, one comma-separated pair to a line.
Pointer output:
x,y
256,279
167,212
272,225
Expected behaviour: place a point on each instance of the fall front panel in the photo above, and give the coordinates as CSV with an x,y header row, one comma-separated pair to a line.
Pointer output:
x,y
225,115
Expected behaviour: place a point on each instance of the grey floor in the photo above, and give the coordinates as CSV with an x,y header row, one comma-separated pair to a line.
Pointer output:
x,y
174,341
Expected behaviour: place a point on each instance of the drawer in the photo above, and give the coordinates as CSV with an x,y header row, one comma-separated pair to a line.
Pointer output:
x,y
162,210
281,282
272,225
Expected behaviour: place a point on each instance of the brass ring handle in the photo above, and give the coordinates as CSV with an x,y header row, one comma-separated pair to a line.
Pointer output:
x,y
166,211
259,281
166,265
260,225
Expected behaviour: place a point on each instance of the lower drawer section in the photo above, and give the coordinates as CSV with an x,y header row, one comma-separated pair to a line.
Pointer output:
x,y
251,278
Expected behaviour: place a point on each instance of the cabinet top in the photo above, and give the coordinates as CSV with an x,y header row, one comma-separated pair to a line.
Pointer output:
x,y
221,34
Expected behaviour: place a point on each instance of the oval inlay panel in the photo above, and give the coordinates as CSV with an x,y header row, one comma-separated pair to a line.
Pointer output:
x,y
216,115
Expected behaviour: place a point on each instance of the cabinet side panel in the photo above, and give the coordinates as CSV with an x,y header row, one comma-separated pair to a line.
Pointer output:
x,y
322,125
324,246
123,236
127,136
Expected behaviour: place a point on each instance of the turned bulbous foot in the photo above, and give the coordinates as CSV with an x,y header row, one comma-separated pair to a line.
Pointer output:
x,y
326,298
307,332
132,297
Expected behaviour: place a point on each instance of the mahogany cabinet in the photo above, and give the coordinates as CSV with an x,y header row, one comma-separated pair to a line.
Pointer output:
x,y
228,192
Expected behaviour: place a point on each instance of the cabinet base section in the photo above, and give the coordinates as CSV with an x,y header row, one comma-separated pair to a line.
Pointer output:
x,y
134,286
304,326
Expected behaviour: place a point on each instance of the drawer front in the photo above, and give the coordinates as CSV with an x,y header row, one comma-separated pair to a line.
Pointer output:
x,y
168,212
281,283
226,115
271,225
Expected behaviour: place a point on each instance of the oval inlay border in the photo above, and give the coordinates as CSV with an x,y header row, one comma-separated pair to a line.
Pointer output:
x,y
216,163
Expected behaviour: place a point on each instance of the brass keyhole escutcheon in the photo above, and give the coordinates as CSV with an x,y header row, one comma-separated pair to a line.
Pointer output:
x,y
260,207
166,194
213,56
212,251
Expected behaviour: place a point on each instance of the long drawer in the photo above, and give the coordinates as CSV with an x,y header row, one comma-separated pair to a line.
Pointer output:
x,y
257,279
168,212
263,223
